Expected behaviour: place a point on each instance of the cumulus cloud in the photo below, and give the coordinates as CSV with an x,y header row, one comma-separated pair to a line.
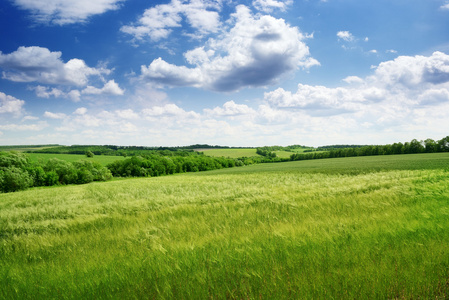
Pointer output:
x,y
374,109
46,92
37,64
317,100
407,96
346,36
353,79
80,111
51,115
402,83
63,12
230,109
168,110
157,22
10,105
269,5
110,88
127,114
413,72
168,74
255,52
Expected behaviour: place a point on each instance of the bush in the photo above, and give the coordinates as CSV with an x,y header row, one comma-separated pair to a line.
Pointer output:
x,y
84,176
51,178
14,179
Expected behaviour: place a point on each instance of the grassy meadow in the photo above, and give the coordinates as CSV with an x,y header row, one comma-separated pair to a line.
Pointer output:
x,y
230,152
248,152
347,228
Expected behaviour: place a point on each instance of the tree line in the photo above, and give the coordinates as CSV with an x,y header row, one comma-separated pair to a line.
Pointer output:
x,y
18,172
414,146
153,165
111,150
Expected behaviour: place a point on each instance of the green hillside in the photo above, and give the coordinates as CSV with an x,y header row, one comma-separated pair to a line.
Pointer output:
x,y
347,228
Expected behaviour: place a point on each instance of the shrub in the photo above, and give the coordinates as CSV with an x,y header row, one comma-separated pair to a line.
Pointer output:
x,y
14,179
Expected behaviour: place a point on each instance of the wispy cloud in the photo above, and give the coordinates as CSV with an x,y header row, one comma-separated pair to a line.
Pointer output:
x,y
445,6
62,12
270,5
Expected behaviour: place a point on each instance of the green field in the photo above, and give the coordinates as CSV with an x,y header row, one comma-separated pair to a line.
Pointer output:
x,y
102,159
231,152
283,154
247,152
348,228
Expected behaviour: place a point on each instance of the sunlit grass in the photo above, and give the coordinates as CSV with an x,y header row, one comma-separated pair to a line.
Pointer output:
x,y
273,231
231,152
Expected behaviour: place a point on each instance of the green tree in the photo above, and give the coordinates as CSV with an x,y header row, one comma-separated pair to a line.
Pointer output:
x,y
430,146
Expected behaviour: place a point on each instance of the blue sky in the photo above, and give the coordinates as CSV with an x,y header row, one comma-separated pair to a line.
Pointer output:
x,y
223,72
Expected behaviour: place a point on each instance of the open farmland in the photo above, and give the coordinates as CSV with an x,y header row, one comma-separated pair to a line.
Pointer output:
x,y
249,152
360,227
230,152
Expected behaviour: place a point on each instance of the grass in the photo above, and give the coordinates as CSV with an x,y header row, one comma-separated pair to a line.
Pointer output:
x,y
357,228
231,152
247,152
102,159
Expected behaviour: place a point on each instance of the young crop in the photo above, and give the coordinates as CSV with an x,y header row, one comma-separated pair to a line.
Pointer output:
x,y
357,228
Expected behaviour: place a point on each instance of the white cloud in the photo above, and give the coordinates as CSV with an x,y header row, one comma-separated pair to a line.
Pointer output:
x,y
406,97
353,79
23,127
10,105
445,6
127,114
230,109
56,116
110,88
396,88
346,36
162,72
316,100
30,118
74,95
80,111
46,92
168,110
413,72
269,5
158,22
255,52
63,12
37,64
